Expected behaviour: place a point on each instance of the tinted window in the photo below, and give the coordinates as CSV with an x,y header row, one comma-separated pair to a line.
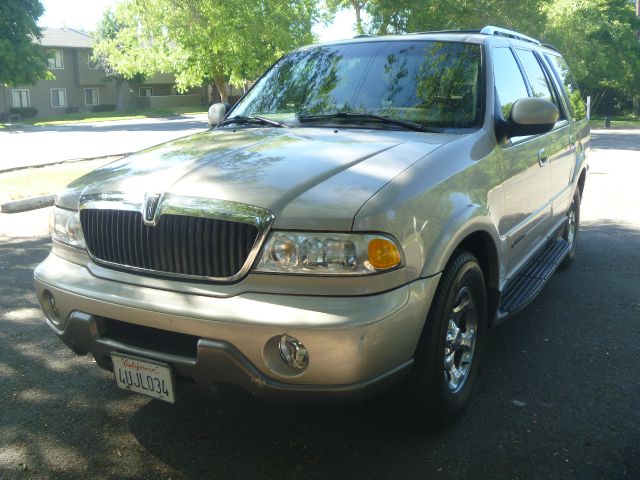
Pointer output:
x,y
570,86
508,79
537,78
433,83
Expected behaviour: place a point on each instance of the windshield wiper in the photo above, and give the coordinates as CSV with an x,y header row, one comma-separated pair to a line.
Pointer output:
x,y
252,119
366,117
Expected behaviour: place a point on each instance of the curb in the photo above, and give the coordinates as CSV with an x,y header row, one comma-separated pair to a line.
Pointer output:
x,y
115,156
26,204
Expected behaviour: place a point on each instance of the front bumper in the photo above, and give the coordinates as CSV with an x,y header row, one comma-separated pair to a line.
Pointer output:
x,y
357,345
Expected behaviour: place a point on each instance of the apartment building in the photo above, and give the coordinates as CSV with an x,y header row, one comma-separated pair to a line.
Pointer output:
x,y
80,86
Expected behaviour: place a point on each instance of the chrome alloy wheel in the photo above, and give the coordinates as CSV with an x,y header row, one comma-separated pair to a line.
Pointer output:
x,y
571,225
461,340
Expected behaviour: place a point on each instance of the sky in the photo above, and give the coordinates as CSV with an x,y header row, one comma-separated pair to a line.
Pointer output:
x,y
84,14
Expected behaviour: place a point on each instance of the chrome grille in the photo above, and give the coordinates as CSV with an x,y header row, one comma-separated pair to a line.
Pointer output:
x,y
178,244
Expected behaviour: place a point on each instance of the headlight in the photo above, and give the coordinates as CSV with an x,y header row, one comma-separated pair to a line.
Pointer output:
x,y
328,253
65,227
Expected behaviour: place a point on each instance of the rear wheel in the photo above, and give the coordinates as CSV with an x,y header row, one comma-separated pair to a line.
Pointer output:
x,y
448,354
572,226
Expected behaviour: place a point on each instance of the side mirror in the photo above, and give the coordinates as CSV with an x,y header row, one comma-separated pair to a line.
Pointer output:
x,y
529,116
217,112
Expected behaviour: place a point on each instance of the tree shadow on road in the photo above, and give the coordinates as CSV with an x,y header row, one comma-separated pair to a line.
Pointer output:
x,y
157,126
629,140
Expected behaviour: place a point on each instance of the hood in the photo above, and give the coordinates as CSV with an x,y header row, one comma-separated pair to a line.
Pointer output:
x,y
308,178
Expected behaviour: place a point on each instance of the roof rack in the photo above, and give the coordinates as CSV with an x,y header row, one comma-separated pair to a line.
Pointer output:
x,y
548,45
361,35
444,31
491,30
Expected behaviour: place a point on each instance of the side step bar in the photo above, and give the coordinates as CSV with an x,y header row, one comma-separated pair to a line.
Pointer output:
x,y
524,287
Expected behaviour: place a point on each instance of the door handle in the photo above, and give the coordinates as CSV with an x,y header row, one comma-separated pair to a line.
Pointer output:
x,y
543,158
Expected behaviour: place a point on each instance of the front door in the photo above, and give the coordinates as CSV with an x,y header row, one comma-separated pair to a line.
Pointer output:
x,y
525,165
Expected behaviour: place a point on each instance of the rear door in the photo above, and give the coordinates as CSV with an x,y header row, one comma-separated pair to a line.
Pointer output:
x,y
563,167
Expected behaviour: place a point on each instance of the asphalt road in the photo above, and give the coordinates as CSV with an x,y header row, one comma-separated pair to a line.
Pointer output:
x,y
557,397
49,144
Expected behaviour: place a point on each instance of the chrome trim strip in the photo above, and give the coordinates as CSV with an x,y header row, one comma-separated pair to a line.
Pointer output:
x,y
172,204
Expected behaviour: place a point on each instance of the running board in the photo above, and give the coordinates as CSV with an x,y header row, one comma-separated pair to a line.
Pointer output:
x,y
524,287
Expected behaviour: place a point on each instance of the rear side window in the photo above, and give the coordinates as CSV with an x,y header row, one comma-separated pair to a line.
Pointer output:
x,y
561,70
537,78
510,85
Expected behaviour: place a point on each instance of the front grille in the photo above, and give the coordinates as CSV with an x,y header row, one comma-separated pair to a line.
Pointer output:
x,y
178,244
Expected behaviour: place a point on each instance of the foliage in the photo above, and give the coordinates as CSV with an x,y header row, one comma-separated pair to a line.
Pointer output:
x,y
22,61
106,107
599,40
24,112
117,52
212,41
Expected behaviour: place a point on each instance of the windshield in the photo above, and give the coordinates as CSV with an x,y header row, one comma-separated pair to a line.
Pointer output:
x,y
434,84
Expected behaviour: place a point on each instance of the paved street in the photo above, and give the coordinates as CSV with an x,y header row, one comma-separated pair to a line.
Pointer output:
x,y
49,144
557,397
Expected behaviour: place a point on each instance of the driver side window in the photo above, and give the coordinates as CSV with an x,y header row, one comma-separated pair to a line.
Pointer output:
x,y
509,83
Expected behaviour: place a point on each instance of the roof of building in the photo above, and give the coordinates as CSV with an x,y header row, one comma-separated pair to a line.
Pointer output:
x,y
65,37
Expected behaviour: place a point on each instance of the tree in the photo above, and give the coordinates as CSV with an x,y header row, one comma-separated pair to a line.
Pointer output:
x,y
22,60
117,52
218,42
357,5
599,40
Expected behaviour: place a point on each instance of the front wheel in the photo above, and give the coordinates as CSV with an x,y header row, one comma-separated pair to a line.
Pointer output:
x,y
448,354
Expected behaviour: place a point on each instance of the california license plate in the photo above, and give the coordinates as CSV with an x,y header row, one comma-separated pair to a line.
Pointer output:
x,y
143,376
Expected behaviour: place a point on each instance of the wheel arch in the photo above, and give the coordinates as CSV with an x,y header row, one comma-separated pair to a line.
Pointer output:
x,y
582,180
478,236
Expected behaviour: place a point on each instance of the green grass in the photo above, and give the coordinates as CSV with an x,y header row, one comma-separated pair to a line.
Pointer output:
x,y
31,182
627,121
84,117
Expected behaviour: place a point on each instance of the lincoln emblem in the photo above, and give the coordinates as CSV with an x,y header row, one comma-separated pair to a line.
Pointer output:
x,y
150,206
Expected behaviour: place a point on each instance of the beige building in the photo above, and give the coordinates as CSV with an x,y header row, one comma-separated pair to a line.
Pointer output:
x,y
80,86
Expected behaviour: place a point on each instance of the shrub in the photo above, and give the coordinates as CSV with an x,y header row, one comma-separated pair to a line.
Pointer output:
x,y
106,107
25,112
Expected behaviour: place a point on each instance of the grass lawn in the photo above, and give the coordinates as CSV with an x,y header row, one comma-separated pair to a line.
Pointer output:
x,y
616,122
31,182
83,117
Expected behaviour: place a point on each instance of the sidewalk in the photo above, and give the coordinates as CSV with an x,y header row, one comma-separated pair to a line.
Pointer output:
x,y
32,146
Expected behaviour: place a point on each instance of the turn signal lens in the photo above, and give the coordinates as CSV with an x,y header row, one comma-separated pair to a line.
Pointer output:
x,y
383,254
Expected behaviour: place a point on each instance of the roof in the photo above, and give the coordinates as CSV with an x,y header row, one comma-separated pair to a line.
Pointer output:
x,y
468,36
65,37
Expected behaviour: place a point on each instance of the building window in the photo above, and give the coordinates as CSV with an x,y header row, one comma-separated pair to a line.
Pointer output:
x,y
58,97
146,92
56,59
21,98
92,65
91,96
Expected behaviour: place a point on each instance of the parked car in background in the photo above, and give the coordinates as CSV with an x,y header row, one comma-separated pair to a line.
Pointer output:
x,y
359,220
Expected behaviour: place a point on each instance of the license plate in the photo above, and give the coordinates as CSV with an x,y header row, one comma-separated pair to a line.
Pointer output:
x,y
143,376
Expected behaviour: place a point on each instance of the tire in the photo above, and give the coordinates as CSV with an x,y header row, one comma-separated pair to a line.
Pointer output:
x,y
571,229
437,395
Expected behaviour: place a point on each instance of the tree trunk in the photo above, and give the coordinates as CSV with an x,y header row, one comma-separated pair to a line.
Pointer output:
x,y
221,86
119,96
356,7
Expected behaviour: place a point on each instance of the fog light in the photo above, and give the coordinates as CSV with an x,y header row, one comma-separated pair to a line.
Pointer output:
x,y
293,352
49,306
